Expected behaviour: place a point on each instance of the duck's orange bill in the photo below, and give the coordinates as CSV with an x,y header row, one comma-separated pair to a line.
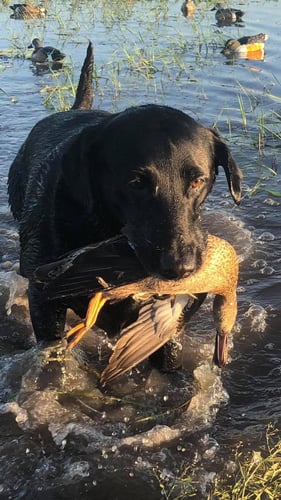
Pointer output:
x,y
94,307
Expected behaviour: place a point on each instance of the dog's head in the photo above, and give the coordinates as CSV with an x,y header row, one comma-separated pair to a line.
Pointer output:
x,y
152,167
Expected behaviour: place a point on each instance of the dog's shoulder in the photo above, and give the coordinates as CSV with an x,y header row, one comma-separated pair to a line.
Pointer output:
x,y
54,129
43,149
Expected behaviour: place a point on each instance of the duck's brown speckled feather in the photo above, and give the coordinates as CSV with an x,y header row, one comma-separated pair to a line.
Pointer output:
x,y
156,324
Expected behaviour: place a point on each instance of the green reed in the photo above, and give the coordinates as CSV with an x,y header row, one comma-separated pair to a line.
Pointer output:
x,y
257,476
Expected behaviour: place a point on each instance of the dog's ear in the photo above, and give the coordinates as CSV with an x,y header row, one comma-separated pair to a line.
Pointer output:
x,y
233,173
76,167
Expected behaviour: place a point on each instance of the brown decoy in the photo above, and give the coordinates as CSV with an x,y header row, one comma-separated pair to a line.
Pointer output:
x,y
159,317
27,11
188,8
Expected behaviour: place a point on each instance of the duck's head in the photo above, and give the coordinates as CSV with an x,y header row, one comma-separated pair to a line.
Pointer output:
x,y
231,46
35,44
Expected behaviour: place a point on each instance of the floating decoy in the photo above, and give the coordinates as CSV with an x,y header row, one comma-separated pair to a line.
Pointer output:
x,y
188,8
228,15
41,54
27,11
99,269
245,46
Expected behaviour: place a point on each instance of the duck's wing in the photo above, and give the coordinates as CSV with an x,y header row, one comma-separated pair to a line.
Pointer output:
x,y
238,12
259,38
157,323
56,54
78,273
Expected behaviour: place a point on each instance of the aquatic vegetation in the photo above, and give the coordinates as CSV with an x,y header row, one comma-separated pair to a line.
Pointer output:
x,y
11,98
258,474
254,475
177,487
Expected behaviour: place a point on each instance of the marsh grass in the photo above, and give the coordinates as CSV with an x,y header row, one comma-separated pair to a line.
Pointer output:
x,y
59,97
61,89
11,98
182,486
16,50
258,474
141,60
255,125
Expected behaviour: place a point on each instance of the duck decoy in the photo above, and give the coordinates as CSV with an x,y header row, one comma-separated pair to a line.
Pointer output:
x,y
188,8
227,16
27,11
40,54
247,46
88,269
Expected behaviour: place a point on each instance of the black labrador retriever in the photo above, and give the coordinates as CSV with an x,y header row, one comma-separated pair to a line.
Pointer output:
x,y
85,175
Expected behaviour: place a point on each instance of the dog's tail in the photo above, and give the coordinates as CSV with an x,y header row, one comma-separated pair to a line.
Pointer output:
x,y
84,93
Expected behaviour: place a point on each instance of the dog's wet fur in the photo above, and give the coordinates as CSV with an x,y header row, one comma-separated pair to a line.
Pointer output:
x,y
85,175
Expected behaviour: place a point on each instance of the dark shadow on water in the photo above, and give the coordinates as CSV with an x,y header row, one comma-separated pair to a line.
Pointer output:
x,y
43,68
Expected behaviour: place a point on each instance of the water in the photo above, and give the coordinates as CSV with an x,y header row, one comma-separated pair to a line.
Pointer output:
x,y
59,434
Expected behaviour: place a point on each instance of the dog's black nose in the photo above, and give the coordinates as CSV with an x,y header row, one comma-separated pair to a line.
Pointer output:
x,y
172,268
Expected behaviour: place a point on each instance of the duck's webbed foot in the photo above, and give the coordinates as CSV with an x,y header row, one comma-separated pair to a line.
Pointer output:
x,y
169,357
193,307
78,331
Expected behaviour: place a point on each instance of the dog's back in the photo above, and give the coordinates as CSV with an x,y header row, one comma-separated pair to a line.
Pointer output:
x,y
46,139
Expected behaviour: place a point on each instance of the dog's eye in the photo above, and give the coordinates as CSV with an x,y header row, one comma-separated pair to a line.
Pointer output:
x,y
137,183
197,183
145,179
142,181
